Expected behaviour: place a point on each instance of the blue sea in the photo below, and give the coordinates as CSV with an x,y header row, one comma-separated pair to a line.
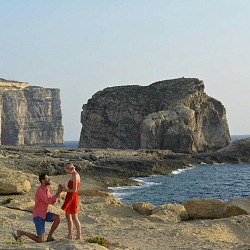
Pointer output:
x,y
220,181
70,144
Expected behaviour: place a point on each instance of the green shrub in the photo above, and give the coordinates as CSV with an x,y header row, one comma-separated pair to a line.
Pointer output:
x,y
99,240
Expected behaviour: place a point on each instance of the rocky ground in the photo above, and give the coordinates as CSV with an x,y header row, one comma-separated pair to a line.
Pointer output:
x,y
111,167
142,226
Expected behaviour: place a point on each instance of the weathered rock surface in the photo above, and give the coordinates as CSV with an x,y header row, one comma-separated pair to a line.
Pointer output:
x,y
30,115
143,207
13,182
216,209
205,208
237,207
236,152
174,208
173,114
111,167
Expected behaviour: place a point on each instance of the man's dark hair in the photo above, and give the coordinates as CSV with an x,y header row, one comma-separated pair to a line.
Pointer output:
x,y
42,177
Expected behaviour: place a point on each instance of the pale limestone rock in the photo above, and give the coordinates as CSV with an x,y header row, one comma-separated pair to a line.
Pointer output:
x,y
30,115
13,182
22,204
205,208
237,207
164,216
174,208
143,207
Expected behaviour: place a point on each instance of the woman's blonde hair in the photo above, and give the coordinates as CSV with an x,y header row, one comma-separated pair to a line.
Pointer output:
x,y
69,165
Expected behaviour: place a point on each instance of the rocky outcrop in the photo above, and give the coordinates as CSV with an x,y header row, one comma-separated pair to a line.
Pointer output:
x,y
163,213
236,152
205,208
30,115
143,207
13,182
173,114
111,167
216,209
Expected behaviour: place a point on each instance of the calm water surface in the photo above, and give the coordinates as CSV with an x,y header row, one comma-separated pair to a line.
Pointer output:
x,y
220,181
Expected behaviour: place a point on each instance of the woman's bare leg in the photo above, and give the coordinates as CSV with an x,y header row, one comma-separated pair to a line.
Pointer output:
x,y
70,226
78,226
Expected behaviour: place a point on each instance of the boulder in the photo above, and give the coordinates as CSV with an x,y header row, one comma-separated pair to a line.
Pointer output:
x,y
237,207
174,208
143,207
205,208
13,182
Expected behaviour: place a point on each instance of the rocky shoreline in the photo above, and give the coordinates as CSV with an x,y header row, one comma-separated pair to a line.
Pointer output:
x,y
113,167
197,224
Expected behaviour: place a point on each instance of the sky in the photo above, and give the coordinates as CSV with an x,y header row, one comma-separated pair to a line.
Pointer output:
x,y
84,46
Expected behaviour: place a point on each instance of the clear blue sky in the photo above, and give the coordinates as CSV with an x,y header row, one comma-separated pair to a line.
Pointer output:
x,y
83,46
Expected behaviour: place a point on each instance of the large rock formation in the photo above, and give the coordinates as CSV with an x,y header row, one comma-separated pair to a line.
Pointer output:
x,y
173,114
29,115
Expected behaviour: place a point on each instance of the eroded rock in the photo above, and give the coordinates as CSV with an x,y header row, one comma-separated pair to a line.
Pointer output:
x,y
172,114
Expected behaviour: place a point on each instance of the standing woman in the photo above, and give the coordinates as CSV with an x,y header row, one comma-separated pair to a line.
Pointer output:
x,y
70,205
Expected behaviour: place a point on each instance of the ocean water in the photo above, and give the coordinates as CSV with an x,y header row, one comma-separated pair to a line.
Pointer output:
x,y
67,144
220,181
70,144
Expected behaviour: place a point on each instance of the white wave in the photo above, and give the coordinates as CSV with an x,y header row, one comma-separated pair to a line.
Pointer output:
x,y
120,192
119,188
180,170
145,183
121,195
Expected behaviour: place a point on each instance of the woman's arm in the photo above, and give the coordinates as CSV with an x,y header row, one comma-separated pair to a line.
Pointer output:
x,y
74,189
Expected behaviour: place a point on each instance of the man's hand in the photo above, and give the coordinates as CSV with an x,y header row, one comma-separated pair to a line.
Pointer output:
x,y
59,189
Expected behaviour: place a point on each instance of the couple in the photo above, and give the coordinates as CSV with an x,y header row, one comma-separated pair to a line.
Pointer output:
x,y
43,198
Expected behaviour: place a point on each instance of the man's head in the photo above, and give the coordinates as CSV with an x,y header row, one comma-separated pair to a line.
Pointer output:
x,y
44,179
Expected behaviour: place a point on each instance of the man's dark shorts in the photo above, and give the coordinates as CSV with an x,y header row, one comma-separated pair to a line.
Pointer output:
x,y
40,223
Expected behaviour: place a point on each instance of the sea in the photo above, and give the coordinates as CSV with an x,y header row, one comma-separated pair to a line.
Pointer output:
x,y
219,181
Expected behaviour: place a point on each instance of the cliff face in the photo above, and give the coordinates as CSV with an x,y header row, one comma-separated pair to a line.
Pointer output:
x,y
30,115
173,114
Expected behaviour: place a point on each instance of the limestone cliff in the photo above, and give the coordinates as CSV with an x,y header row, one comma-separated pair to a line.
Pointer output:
x,y
172,114
30,115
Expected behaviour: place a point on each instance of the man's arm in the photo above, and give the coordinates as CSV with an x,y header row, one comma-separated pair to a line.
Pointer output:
x,y
48,198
